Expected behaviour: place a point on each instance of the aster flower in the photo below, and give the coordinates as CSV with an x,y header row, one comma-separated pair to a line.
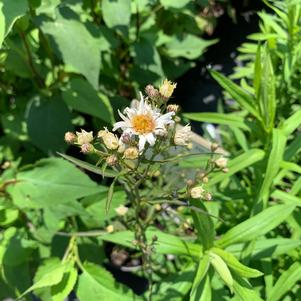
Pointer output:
x,y
144,121
183,135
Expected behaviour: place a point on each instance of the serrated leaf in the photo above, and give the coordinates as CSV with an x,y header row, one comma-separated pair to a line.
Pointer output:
x,y
78,47
51,181
117,13
62,290
95,284
49,275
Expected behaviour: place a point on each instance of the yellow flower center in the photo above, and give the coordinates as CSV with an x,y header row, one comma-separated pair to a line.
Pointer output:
x,y
143,124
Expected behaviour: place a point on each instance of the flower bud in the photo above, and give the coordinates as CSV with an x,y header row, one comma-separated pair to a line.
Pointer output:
x,y
121,147
221,162
110,229
173,108
84,137
70,137
121,210
109,139
112,160
197,192
131,153
161,133
167,88
208,196
158,207
205,180
225,170
151,92
214,147
182,136
126,138
87,148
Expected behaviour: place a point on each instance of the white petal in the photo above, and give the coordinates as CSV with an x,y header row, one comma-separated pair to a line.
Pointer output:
x,y
119,124
150,138
142,141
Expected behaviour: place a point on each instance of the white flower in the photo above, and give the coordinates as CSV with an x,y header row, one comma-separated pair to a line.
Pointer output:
x,y
197,192
84,137
221,162
183,135
144,121
109,139
121,210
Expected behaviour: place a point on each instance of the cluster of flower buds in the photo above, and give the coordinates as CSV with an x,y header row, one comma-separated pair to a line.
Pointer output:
x,y
198,192
142,124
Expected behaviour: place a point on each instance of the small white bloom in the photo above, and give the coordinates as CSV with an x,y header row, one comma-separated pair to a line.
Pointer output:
x,y
197,192
131,153
221,162
183,135
109,139
143,120
167,88
121,210
110,229
84,137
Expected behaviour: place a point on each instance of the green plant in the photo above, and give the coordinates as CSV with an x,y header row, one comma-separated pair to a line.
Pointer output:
x,y
264,141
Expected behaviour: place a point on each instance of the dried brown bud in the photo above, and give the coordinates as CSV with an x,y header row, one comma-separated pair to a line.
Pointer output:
x,y
87,148
214,147
112,160
151,92
173,108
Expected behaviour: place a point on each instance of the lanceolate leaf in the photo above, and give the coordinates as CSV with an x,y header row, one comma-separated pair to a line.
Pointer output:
x,y
292,123
219,118
201,272
235,265
275,157
286,282
221,268
166,243
246,100
89,167
257,225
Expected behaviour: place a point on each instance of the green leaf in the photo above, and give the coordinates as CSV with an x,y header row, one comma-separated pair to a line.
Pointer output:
x,y
293,148
174,4
166,243
286,197
235,265
10,12
222,269
187,46
204,225
49,274
257,225
239,163
292,123
275,157
203,292
79,49
116,13
201,273
47,122
286,282
95,284
244,290
89,167
110,195
51,181
62,290
267,97
267,248
244,99
219,118
82,97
